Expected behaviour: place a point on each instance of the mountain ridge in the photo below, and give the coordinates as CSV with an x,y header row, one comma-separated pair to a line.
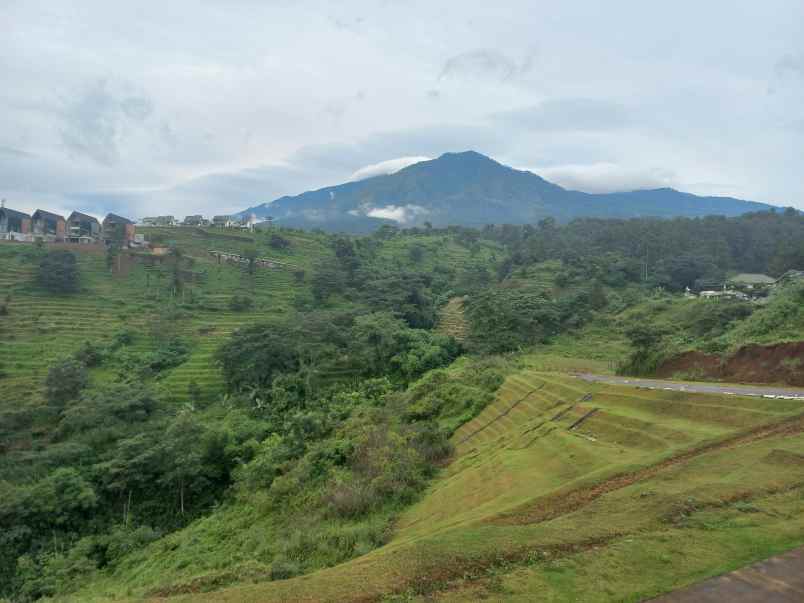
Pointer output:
x,y
470,189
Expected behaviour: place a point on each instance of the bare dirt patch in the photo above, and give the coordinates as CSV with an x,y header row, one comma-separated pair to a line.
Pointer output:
x,y
780,363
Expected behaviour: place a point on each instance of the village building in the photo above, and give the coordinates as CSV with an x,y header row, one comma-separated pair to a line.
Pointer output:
x,y
159,221
14,225
197,220
791,275
47,226
751,281
248,222
117,229
223,221
83,228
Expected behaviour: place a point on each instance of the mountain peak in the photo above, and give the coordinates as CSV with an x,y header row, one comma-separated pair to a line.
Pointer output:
x,y
466,156
468,188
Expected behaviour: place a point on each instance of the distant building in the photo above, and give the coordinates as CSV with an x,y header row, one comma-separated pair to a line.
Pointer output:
x,y
711,294
223,221
248,222
118,229
14,225
751,281
791,275
159,221
47,226
83,228
197,220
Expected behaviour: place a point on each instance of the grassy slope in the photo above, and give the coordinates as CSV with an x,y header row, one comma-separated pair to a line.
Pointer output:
x,y
41,328
655,490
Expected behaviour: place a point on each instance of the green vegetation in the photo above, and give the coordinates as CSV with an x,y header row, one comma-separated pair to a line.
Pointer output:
x,y
395,405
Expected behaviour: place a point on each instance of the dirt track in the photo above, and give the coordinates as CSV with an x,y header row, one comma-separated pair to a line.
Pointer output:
x,y
776,580
698,388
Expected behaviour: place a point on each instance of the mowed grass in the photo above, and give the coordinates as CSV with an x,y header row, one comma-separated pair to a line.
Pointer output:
x,y
652,491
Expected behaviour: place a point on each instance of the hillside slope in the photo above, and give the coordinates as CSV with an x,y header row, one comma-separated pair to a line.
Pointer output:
x,y
471,189
651,491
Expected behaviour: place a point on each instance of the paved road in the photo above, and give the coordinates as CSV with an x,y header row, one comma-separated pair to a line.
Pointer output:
x,y
699,388
776,580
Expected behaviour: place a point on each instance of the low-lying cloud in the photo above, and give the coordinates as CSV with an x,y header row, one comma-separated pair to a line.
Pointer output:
x,y
383,168
607,177
404,214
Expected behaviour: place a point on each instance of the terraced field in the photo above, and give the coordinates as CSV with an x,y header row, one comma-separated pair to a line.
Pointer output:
x,y
41,328
565,490
451,320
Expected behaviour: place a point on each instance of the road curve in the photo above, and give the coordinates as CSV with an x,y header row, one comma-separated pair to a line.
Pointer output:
x,y
788,393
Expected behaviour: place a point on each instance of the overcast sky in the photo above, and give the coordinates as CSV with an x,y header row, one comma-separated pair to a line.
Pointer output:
x,y
209,107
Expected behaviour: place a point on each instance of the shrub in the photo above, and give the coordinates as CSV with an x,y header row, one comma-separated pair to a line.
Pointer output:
x,y
89,354
64,381
58,272
277,241
240,303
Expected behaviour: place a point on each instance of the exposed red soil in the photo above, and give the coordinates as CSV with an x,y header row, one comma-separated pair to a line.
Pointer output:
x,y
779,363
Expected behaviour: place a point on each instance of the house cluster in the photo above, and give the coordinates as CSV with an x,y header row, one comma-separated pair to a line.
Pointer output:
x,y
77,228
748,286
244,223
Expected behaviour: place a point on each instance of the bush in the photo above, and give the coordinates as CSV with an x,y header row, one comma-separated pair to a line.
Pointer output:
x,y
240,303
277,241
64,382
58,272
89,354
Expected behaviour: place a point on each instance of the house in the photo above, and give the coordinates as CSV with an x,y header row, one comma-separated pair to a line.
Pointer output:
x,y
247,222
711,294
117,229
83,228
47,226
197,220
159,221
222,221
751,281
791,275
14,225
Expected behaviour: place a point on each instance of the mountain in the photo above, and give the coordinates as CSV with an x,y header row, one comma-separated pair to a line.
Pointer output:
x,y
471,189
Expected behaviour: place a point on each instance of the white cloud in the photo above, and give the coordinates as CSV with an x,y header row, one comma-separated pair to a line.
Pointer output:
x,y
606,177
385,167
398,213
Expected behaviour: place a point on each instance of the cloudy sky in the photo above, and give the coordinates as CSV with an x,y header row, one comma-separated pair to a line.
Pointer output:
x,y
200,106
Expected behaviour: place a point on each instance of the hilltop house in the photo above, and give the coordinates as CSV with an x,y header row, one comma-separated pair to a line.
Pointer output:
x,y
118,229
14,225
159,221
791,275
222,221
47,226
751,281
197,220
247,222
83,228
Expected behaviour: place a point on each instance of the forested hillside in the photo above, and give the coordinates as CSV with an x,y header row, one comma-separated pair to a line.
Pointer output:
x,y
178,423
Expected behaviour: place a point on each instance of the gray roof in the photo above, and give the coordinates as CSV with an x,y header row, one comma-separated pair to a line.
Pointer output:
x,y
118,219
13,213
752,279
41,213
77,215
